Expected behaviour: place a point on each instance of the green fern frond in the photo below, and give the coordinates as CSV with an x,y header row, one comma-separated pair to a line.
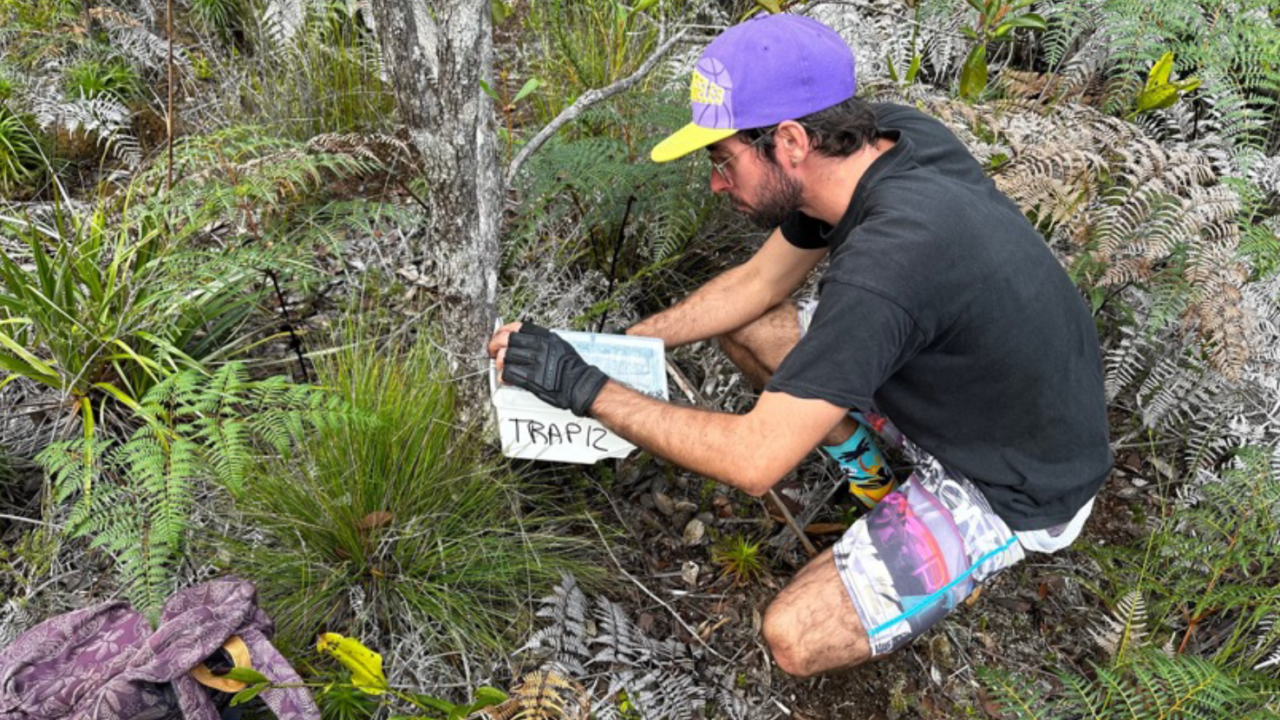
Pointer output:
x,y
134,499
1148,685
1016,696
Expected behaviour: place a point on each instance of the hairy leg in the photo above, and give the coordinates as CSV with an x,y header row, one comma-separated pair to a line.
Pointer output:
x,y
759,347
812,627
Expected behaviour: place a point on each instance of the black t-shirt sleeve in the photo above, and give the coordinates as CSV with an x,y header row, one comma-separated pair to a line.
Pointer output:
x,y
804,232
857,340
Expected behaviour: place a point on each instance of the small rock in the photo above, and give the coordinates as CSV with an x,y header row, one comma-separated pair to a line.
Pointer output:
x,y
725,511
647,501
1139,482
686,506
664,503
681,518
707,518
682,482
940,651
659,485
689,571
645,621
646,517
694,532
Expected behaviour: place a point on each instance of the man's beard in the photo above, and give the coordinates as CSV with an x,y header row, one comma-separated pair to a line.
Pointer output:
x,y
780,199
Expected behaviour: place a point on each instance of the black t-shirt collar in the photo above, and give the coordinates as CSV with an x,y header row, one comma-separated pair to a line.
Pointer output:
x,y
900,155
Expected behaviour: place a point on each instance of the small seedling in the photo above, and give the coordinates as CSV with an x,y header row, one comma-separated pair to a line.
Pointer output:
x,y
738,558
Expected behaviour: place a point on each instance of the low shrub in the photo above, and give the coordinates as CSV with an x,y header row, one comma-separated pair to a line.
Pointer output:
x,y
102,309
113,77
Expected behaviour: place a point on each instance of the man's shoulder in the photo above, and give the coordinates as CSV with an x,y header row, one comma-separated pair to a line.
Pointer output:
x,y
894,116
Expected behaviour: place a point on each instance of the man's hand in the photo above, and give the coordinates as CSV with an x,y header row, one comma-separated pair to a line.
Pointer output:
x,y
537,360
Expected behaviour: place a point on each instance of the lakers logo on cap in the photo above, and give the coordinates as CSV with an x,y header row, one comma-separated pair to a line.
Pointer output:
x,y
703,91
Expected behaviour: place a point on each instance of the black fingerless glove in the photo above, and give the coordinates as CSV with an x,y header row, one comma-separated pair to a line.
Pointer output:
x,y
546,365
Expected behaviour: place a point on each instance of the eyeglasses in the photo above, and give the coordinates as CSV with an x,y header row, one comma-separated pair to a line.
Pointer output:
x,y
722,168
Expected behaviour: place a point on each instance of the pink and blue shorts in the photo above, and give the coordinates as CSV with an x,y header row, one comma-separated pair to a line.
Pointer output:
x,y
925,547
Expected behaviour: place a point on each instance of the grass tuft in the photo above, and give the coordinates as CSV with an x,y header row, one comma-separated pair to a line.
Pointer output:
x,y
370,529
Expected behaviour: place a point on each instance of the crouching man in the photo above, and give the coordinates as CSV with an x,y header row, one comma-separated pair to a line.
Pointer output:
x,y
942,326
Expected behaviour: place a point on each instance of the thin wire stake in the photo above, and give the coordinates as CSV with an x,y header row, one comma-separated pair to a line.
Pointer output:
x,y
168,121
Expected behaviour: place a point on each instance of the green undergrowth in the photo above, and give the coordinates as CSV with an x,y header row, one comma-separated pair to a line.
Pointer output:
x,y
1147,685
595,203
325,78
578,45
405,522
1194,614
134,498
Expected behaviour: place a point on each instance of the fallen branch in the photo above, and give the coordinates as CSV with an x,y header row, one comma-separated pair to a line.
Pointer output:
x,y
586,100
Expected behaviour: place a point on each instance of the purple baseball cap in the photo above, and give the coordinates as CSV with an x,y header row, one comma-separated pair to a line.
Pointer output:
x,y
759,73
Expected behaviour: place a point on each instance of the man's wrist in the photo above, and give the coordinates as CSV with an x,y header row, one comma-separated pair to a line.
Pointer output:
x,y
586,389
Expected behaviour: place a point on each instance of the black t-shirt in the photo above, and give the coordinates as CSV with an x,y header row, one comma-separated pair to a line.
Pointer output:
x,y
943,309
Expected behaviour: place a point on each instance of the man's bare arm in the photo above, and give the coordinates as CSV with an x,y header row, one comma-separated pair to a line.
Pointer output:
x,y
750,452
736,296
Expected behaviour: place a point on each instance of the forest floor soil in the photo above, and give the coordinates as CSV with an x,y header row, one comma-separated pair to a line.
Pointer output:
x,y
1034,616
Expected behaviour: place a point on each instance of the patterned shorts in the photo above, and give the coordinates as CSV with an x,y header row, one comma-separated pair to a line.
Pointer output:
x,y
923,548
920,551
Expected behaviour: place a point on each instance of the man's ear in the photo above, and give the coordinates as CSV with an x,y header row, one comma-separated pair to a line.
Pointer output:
x,y
792,142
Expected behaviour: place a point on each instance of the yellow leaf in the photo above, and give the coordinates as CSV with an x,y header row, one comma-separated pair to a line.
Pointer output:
x,y
1159,74
1161,97
365,665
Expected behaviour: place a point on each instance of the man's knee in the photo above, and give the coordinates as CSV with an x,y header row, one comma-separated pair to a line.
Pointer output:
x,y
777,325
783,644
792,643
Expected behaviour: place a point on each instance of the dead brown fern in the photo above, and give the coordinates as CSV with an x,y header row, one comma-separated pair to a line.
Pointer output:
x,y
396,152
542,695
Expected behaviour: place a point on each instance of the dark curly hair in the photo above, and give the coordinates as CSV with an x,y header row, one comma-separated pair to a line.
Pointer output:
x,y
838,131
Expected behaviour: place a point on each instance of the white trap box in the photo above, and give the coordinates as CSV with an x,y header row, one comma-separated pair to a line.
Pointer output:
x,y
533,430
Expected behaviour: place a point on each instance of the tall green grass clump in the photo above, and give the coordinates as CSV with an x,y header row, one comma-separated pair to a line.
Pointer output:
x,y
372,529
583,44
325,77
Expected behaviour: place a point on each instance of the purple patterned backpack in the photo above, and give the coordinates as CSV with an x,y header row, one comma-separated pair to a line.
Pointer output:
x,y
105,662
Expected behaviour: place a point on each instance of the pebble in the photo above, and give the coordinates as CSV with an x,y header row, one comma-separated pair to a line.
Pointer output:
x,y
707,518
646,517
689,572
647,501
681,518
686,506
664,503
694,532
723,507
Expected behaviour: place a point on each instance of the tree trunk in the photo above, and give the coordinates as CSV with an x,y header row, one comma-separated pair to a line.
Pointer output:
x,y
436,52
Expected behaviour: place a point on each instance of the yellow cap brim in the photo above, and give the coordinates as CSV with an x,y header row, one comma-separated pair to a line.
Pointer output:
x,y
687,139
